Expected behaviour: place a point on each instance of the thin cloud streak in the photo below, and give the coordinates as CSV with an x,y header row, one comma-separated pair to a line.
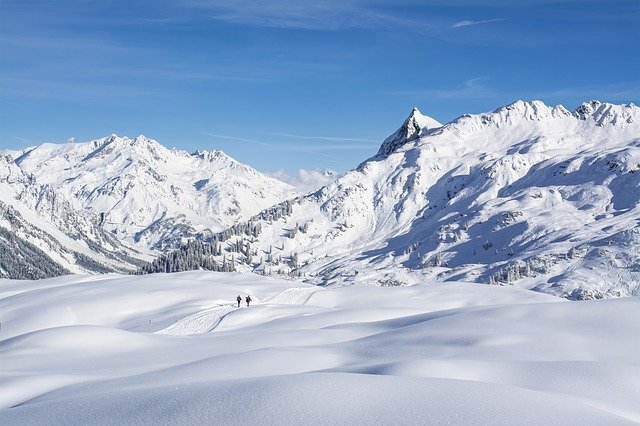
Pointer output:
x,y
473,88
307,151
470,23
623,93
324,138
329,15
332,146
281,148
23,140
233,138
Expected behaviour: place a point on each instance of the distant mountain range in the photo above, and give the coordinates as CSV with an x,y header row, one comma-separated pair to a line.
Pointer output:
x,y
528,195
120,197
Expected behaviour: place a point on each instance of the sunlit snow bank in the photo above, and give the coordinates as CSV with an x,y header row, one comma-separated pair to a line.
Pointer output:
x,y
77,350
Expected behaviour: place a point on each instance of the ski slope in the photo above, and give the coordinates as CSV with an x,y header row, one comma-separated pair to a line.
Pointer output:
x,y
76,350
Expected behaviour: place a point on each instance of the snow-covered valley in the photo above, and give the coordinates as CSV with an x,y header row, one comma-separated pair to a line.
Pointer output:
x,y
77,350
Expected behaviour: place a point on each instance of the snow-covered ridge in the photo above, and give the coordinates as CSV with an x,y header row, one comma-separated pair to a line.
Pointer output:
x,y
149,195
593,112
529,195
41,234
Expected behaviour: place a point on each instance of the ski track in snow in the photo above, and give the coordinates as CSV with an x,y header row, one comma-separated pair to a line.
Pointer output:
x,y
200,322
207,320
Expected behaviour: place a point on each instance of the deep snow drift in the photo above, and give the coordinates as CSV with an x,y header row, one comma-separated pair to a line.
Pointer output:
x,y
77,350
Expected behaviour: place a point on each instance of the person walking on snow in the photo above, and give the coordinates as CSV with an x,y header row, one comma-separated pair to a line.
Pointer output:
x,y
239,299
248,300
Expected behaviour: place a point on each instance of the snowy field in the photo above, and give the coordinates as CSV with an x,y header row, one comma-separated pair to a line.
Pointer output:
x,y
77,350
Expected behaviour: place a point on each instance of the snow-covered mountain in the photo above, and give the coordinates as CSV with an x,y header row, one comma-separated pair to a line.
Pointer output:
x,y
42,235
529,194
148,195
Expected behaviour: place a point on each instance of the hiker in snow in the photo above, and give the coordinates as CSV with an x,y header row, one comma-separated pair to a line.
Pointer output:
x,y
248,300
239,299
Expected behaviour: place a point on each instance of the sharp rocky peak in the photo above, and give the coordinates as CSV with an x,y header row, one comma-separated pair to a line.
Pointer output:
x,y
412,128
213,155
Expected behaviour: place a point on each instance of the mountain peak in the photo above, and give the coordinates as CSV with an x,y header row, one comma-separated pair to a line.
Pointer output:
x,y
213,155
109,139
424,122
415,124
140,144
142,138
605,113
520,112
530,109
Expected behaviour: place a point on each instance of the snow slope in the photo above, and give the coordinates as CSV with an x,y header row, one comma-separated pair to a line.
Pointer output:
x,y
427,354
529,195
41,234
149,195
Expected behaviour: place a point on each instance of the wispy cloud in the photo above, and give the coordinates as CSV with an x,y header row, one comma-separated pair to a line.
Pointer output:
x,y
234,138
64,89
612,93
168,72
333,147
313,150
324,138
469,23
67,43
474,88
307,151
23,140
319,15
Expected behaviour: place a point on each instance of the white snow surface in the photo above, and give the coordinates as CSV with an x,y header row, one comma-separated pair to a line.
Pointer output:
x,y
529,195
76,350
43,216
151,195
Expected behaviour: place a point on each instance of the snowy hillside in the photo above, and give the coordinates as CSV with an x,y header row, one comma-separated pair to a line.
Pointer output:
x,y
530,195
42,235
146,194
77,350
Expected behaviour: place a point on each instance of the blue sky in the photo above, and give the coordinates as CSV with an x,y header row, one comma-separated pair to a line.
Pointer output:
x,y
287,84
